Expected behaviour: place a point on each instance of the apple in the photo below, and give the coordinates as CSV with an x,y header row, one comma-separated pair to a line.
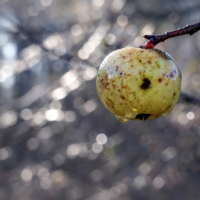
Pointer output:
x,y
138,84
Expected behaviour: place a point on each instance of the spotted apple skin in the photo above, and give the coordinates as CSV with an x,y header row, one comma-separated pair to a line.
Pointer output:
x,y
136,83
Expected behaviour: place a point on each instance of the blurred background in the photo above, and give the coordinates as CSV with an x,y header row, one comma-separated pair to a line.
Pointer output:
x,y
57,141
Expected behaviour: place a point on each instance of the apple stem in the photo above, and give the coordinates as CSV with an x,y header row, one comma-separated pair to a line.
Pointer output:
x,y
155,39
147,45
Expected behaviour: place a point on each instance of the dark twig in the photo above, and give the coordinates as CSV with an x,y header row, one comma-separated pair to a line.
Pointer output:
x,y
155,39
35,40
185,98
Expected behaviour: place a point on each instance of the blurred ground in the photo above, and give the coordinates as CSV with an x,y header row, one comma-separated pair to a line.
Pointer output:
x,y
57,140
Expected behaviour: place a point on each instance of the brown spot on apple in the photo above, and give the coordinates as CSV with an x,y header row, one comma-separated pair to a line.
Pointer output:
x,y
146,83
122,96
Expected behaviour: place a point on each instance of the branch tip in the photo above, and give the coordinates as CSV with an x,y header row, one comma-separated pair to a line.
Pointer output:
x,y
155,39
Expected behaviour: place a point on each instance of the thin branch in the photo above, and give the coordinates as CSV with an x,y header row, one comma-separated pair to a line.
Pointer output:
x,y
155,39
185,98
66,57
34,39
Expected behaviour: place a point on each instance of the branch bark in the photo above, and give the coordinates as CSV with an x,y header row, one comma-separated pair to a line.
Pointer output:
x,y
155,39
